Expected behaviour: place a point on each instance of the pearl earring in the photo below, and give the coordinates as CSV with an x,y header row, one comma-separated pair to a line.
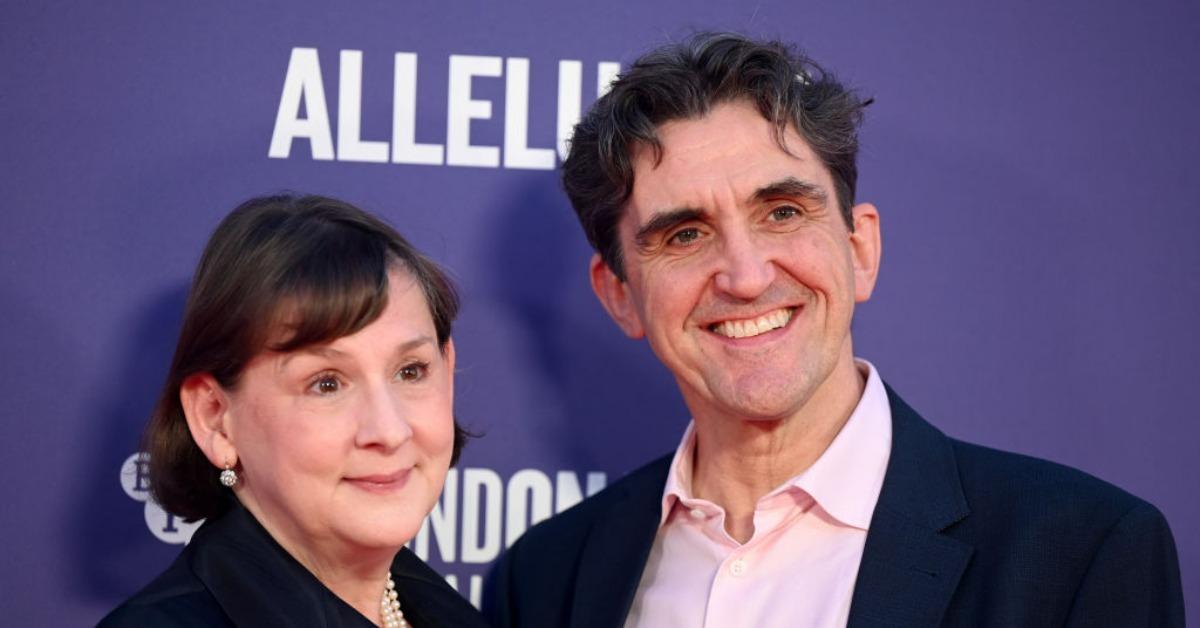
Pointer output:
x,y
228,477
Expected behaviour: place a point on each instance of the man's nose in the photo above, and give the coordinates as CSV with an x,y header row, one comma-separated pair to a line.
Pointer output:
x,y
746,269
384,422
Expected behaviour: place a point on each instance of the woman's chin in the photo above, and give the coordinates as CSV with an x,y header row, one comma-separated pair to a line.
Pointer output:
x,y
381,530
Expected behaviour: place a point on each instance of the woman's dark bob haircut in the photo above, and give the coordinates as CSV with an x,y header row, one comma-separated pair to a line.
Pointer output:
x,y
321,264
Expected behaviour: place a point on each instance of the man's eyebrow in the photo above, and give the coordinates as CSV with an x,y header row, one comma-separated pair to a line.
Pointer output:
x,y
790,186
664,221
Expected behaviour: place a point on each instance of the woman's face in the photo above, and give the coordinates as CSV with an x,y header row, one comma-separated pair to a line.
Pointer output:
x,y
344,446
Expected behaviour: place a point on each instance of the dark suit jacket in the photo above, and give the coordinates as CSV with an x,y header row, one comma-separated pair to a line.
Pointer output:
x,y
961,536
234,574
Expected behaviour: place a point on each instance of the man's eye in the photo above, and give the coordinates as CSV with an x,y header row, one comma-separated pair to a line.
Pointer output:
x,y
414,372
685,236
326,385
784,212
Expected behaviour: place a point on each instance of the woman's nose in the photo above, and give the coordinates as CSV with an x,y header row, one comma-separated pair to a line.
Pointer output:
x,y
384,421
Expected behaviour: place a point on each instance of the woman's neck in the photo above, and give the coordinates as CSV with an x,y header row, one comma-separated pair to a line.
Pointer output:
x,y
361,589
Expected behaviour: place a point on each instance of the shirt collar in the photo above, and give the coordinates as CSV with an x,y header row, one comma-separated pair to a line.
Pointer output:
x,y
845,481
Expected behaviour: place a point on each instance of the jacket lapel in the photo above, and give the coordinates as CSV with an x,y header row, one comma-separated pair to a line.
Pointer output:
x,y
909,570
253,579
615,554
426,599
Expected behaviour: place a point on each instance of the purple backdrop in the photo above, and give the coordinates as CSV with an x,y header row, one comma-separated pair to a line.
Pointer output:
x,y
1032,163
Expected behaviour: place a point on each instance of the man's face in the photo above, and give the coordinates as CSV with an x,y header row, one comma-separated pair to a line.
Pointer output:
x,y
740,270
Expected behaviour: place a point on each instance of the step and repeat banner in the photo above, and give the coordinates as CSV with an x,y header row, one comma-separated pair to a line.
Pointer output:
x,y
1032,165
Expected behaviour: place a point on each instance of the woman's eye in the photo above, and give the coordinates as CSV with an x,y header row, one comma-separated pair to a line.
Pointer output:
x,y
784,212
326,385
413,372
685,236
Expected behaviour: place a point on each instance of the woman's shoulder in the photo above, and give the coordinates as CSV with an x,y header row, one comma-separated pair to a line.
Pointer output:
x,y
175,599
188,610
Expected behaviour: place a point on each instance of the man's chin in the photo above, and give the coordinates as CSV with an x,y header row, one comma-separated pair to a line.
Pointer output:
x,y
761,409
760,397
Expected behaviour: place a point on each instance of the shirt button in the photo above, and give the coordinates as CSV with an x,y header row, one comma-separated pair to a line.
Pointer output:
x,y
738,567
697,514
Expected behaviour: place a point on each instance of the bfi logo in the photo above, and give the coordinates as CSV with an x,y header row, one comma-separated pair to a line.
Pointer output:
x,y
166,527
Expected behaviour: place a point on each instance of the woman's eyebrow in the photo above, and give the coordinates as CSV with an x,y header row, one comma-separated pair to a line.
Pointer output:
x,y
330,353
322,351
418,341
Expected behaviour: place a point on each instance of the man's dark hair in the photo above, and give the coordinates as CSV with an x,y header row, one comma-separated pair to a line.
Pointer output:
x,y
314,266
684,81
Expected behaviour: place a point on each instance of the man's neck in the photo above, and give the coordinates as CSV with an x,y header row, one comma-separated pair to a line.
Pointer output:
x,y
737,461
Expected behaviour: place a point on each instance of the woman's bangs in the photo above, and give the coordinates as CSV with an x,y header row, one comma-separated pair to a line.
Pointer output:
x,y
329,296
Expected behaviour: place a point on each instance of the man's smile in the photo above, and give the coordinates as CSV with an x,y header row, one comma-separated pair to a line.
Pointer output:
x,y
750,327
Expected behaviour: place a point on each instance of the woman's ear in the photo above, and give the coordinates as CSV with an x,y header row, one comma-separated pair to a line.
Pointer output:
x,y
206,406
448,351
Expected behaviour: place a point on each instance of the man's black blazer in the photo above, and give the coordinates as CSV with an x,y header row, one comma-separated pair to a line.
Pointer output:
x,y
962,535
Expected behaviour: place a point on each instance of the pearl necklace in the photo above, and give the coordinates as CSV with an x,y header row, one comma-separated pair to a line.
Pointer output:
x,y
389,607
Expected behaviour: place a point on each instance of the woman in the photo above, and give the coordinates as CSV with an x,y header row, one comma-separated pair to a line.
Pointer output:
x,y
307,417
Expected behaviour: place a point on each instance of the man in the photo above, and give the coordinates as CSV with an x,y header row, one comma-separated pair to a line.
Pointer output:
x,y
716,182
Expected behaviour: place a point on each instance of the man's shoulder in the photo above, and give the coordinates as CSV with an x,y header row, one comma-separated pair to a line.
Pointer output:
x,y
1016,478
537,582
1015,494
1002,487
1054,540
557,542
643,486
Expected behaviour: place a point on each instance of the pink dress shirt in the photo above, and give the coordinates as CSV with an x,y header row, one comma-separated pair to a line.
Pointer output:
x,y
800,566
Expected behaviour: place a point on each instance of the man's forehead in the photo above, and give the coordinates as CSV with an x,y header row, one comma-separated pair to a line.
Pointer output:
x,y
735,117
731,137
723,166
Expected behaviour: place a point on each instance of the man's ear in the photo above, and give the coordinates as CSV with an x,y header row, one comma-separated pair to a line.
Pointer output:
x,y
866,248
206,406
614,296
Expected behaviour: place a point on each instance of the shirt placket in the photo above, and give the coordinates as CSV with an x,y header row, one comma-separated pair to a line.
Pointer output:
x,y
734,577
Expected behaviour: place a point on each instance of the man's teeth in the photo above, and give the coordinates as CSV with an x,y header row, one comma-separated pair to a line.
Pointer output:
x,y
754,327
